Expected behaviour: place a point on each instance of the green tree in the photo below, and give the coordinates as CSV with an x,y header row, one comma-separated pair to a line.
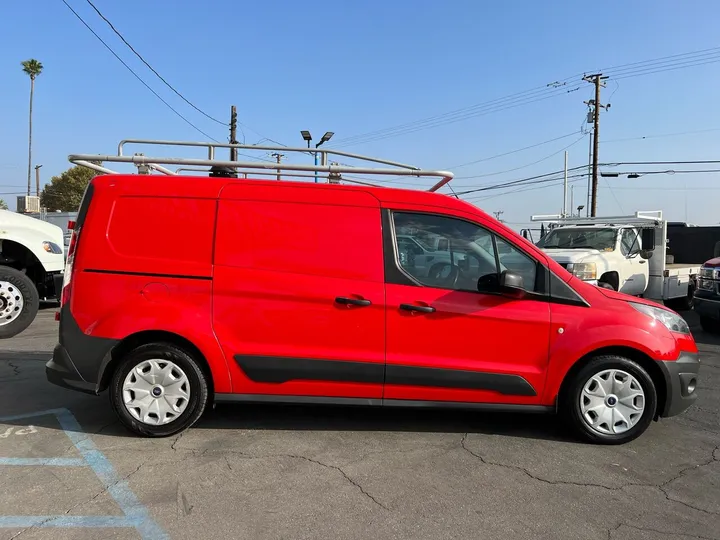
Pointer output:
x,y
32,69
65,192
3,205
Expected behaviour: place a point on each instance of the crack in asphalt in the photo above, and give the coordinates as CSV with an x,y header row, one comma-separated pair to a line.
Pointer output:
x,y
81,503
303,458
661,487
534,477
666,533
16,369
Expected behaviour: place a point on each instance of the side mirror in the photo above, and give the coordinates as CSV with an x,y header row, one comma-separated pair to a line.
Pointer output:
x,y
512,284
645,254
648,239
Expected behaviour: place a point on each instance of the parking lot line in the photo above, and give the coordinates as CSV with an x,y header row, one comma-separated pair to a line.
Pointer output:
x,y
46,462
136,514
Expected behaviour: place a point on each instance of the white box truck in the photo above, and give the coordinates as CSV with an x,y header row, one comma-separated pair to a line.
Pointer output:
x,y
624,253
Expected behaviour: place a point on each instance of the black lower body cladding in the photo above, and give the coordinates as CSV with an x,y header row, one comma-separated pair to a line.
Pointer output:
x,y
681,378
79,360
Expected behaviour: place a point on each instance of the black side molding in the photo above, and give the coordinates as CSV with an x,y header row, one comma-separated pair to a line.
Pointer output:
x,y
512,385
272,369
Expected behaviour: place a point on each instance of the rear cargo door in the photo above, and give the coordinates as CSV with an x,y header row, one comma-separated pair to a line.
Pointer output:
x,y
298,291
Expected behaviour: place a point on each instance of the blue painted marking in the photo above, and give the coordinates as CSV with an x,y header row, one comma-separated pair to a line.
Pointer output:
x,y
49,462
136,514
22,522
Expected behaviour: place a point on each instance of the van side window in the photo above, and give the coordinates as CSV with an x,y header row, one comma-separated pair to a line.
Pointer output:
x,y
470,253
513,259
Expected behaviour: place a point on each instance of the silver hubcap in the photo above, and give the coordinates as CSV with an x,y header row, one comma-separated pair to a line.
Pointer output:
x,y
612,402
156,392
11,303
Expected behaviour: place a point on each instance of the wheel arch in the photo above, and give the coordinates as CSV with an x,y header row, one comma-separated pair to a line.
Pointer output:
x,y
630,353
145,337
612,277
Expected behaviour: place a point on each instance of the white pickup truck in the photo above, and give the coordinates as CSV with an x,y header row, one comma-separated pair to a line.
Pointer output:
x,y
31,267
623,253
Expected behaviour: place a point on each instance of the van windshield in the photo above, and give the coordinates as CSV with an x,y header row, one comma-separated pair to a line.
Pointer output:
x,y
580,238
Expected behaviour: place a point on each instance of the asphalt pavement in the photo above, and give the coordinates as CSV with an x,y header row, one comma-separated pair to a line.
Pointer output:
x,y
69,470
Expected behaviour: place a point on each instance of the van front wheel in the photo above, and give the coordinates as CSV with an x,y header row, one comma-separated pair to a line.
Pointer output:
x,y
611,400
19,302
158,390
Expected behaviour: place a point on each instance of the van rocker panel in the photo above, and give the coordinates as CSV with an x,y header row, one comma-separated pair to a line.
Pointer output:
x,y
267,369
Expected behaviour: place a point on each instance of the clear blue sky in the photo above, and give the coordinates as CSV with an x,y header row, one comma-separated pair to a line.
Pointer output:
x,y
355,67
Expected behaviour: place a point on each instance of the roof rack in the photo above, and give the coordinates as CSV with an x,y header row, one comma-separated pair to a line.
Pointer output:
x,y
331,171
648,217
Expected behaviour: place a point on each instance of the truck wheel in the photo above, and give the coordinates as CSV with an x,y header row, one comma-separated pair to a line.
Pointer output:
x,y
158,390
686,302
19,302
611,400
709,325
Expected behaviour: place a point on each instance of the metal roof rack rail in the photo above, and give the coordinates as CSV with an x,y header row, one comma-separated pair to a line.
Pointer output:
x,y
220,167
644,217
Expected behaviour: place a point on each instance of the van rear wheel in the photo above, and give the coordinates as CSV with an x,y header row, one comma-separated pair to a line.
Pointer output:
x,y
158,390
19,302
611,400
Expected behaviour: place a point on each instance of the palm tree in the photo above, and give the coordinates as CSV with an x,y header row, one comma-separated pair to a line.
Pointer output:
x,y
32,68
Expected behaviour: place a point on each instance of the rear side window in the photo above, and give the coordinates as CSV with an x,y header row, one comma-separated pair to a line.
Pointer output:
x,y
300,238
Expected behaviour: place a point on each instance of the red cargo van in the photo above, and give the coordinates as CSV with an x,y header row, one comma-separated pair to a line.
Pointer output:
x,y
181,292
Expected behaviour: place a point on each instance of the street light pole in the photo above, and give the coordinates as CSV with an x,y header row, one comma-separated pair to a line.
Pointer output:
x,y
325,138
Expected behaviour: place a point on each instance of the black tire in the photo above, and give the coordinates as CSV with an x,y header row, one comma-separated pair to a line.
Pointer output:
x,y
709,325
197,379
686,302
606,285
18,284
570,400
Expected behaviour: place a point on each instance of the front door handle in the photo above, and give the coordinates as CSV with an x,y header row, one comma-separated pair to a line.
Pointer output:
x,y
641,262
345,301
415,308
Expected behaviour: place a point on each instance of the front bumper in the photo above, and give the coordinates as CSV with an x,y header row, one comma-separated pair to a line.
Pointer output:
x,y
706,307
681,378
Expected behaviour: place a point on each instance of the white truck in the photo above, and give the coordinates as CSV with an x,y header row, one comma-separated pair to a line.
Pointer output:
x,y
623,253
31,267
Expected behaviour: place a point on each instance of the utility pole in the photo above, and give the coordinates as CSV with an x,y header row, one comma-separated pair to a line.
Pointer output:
x,y
498,213
596,79
278,157
233,132
572,201
37,180
565,189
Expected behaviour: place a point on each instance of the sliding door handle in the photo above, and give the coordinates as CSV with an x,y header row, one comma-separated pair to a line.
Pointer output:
x,y
417,309
345,301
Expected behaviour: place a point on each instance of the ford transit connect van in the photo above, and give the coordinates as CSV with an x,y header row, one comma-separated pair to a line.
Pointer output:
x,y
181,292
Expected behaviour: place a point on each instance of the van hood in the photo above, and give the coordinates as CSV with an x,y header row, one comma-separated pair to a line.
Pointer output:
x,y
565,256
615,295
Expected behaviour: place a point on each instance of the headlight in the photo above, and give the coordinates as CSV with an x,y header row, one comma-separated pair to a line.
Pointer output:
x,y
52,247
672,321
584,271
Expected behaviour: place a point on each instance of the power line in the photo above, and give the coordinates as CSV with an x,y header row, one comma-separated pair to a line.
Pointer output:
x,y
522,166
514,151
171,87
146,85
646,67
